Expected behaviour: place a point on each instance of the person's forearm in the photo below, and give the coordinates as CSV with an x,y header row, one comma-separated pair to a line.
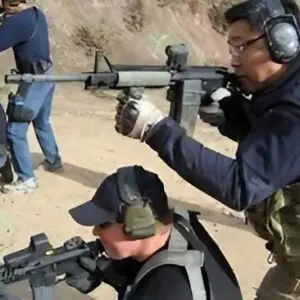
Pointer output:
x,y
234,182
211,172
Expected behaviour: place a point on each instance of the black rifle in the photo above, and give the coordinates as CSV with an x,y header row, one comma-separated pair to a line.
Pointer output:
x,y
41,263
188,86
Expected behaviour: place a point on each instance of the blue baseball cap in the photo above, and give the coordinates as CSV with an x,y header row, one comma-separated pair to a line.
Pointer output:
x,y
106,204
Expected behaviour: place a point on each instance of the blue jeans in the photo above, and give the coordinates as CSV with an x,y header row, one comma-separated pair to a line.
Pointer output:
x,y
38,97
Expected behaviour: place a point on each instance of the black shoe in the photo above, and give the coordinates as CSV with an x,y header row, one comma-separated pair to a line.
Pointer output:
x,y
7,172
57,167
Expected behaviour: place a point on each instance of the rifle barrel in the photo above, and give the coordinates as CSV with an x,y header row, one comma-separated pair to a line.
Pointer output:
x,y
125,78
111,79
30,78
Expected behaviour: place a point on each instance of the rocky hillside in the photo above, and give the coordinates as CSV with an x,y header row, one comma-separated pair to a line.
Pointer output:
x,y
134,31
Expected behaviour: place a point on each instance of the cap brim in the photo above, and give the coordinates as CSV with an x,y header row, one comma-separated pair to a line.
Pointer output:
x,y
89,214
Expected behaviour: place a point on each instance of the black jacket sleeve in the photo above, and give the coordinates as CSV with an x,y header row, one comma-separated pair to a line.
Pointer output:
x,y
237,117
266,160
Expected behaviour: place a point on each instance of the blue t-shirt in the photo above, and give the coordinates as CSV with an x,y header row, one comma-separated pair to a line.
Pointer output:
x,y
27,33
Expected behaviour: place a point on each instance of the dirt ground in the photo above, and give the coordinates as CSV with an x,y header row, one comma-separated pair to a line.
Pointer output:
x,y
91,149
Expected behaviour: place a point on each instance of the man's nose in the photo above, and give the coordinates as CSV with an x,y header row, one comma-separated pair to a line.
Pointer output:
x,y
235,57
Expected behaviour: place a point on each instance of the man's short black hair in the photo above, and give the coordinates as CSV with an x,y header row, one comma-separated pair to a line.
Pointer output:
x,y
240,11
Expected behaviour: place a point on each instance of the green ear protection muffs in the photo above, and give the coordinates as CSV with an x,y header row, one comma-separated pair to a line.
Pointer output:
x,y
137,213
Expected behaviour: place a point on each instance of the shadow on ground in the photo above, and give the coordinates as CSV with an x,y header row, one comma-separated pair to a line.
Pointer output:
x,y
92,179
214,216
86,177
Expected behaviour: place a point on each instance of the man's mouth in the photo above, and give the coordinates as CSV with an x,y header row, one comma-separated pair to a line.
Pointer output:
x,y
240,76
242,82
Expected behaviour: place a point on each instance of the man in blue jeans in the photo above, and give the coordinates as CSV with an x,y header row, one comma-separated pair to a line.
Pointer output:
x,y
25,29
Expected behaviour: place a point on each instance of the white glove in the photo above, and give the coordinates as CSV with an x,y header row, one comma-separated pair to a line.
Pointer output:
x,y
220,94
212,113
134,118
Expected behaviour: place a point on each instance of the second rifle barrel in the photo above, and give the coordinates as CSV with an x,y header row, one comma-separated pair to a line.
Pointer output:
x,y
111,79
30,78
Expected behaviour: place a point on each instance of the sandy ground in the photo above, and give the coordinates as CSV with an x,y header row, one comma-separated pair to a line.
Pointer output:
x,y
91,149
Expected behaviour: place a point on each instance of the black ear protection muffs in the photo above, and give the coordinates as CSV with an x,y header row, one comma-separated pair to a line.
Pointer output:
x,y
137,213
281,29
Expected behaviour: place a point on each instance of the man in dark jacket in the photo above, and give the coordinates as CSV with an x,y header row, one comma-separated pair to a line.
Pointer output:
x,y
25,29
263,178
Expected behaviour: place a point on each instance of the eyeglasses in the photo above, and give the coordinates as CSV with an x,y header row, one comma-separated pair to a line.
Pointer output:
x,y
105,225
237,49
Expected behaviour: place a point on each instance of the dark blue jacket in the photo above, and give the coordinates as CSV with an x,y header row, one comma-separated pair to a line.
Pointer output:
x,y
27,33
267,158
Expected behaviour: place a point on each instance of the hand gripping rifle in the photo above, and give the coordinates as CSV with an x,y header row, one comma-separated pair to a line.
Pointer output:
x,y
188,86
41,263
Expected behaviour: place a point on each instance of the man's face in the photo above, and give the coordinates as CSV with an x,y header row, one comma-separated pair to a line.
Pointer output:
x,y
250,57
117,244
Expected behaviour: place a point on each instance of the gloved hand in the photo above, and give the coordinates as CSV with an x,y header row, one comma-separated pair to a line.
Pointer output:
x,y
86,274
212,113
135,115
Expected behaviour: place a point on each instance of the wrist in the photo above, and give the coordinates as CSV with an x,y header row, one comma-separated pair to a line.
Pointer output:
x,y
148,130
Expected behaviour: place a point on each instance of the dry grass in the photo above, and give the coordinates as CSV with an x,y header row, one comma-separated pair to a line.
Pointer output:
x,y
135,19
193,5
216,13
94,38
134,15
165,3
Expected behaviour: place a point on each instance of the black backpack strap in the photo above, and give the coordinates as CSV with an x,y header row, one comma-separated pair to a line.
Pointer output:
x,y
176,254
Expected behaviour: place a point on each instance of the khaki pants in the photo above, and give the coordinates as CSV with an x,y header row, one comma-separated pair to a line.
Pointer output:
x,y
279,284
